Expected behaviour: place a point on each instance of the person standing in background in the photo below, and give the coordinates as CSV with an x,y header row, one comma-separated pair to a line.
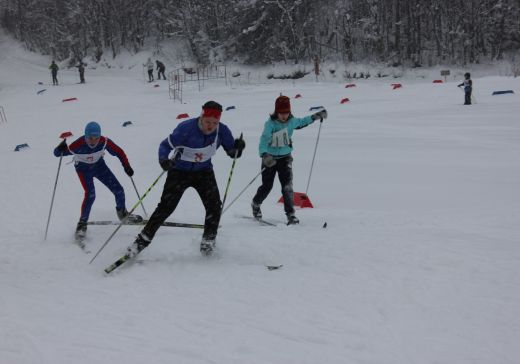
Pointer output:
x,y
160,70
468,88
54,72
149,67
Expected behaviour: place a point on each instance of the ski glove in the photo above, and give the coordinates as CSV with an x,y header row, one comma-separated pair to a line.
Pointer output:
x,y
129,171
322,114
166,164
238,147
62,147
240,144
268,160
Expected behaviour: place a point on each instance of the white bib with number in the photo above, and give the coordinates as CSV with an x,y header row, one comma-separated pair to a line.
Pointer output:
x,y
280,138
198,155
90,158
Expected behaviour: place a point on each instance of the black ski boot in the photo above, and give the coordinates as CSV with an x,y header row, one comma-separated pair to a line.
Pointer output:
x,y
81,230
130,218
141,242
207,245
257,213
292,219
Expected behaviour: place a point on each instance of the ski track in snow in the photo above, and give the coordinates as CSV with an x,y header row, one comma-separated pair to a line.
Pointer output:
x,y
419,262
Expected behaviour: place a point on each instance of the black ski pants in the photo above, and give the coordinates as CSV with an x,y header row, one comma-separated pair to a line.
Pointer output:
x,y
176,183
161,72
283,167
467,97
54,77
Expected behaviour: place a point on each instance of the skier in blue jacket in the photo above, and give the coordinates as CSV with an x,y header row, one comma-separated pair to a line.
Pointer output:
x,y
88,151
192,144
468,88
275,150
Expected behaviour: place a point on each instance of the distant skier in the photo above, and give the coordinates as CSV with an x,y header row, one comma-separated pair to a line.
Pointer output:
x,y
54,72
149,67
275,150
468,88
193,142
81,69
88,151
160,70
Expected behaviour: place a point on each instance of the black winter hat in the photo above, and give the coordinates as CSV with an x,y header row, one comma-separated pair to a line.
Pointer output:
x,y
212,105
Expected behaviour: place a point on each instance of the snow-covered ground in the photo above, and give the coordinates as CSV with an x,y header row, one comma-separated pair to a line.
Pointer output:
x,y
419,262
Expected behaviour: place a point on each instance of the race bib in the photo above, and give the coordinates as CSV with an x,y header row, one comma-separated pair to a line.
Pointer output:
x,y
280,138
90,158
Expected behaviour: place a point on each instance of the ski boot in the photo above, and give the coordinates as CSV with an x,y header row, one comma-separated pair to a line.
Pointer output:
x,y
292,219
206,246
123,214
81,230
141,242
257,213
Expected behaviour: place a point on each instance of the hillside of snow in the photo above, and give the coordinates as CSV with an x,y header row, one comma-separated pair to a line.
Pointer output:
x,y
419,261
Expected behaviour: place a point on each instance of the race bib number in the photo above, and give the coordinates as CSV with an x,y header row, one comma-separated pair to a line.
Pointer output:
x,y
280,139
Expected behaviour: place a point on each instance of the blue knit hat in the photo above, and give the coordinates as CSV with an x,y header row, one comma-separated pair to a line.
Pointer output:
x,y
92,130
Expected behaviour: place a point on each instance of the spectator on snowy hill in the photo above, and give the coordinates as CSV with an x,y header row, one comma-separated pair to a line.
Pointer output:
x,y
81,69
275,150
149,67
88,151
160,70
54,72
468,88
193,143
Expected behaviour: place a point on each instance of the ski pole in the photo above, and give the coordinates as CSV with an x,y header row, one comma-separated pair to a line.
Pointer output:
x,y
245,188
124,220
139,197
53,194
64,136
313,157
230,175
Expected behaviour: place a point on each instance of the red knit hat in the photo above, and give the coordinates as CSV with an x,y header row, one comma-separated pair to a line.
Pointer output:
x,y
282,105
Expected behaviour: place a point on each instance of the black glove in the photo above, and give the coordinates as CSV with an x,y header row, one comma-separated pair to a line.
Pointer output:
x,y
240,144
166,164
322,114
129,171
238,147
62,147
268,160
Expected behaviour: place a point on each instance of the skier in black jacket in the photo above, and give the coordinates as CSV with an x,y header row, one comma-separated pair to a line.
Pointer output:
x,y
160,70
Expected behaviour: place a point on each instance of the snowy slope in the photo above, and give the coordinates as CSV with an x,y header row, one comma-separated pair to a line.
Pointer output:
x,y
419,262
